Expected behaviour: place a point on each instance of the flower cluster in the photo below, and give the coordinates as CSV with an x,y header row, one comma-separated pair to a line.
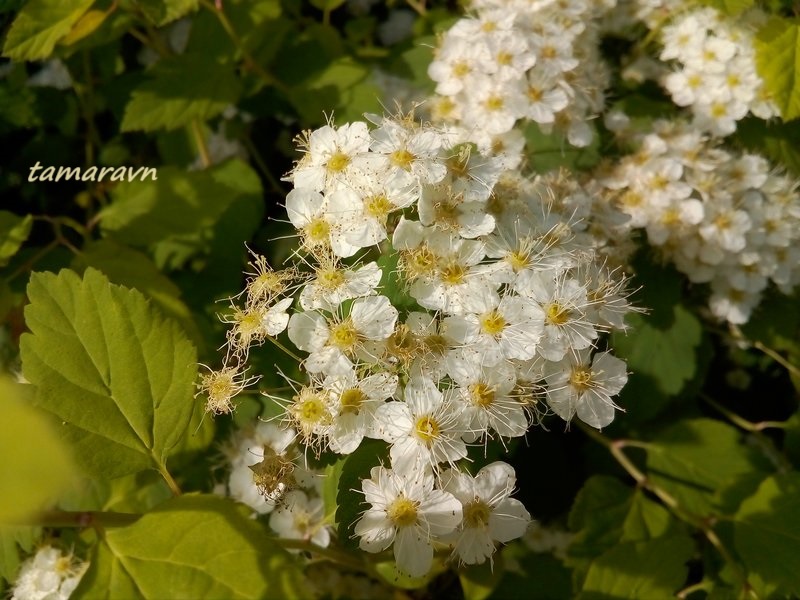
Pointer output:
x,y
721,218
265,474
517,60
483,311
716,73
48,575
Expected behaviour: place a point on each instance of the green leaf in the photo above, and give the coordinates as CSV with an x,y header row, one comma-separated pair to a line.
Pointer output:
x,y
136,493
327,5
776,140
640,570
694,458
181,89
14,539
344,85
36,465
195,546
180,206
131,268
777,46
40,25
330,486
665,349
161,12
607,512
17,108
117,374
767,532
479,581
14,230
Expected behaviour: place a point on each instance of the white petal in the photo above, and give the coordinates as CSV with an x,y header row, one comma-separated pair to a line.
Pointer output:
x,y
413,551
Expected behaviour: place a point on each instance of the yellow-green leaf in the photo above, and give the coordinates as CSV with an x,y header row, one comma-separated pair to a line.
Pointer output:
x,y
40,25
195,547
111,368
778,60
36,465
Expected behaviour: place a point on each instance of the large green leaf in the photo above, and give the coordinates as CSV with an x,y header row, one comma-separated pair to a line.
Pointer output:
x,y
778,60
694,458
767,532
539,577
181,89
180,207
39,26
192,547
117,374
14,230
36,466
640,570
732,8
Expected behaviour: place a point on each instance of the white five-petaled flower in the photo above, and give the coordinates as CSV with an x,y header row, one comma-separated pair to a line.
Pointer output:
x,y
425,429
489,515
582,385
407,511
336,343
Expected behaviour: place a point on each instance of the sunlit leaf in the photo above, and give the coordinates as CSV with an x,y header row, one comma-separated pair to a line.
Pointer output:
x,y
117,374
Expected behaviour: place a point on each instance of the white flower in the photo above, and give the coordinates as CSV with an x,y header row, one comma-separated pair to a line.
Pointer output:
x,y
48,575
424,430
331,157
406,510
486,394
489,515
499,328
581,385
355,402
334,345
333,284
319,230
301,518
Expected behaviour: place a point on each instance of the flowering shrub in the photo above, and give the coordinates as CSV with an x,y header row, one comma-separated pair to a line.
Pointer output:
x,y
514,314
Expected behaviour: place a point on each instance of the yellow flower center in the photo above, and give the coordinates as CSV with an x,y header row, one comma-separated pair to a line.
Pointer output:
x,y
557,314
453,273
351,400
482,394
317,231
493,323
402,158
378,207
427,429
330,279
476,514
402,512
344,335
338,162
580,378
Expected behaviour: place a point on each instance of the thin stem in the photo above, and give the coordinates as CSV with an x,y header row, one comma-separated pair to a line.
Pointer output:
x,y
173,485
249,61
93,518
794,370
284,348
756,430
28,264
200,142
262,166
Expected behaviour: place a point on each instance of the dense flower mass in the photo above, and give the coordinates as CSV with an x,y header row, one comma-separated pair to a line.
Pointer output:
x,y
480,314
722,218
